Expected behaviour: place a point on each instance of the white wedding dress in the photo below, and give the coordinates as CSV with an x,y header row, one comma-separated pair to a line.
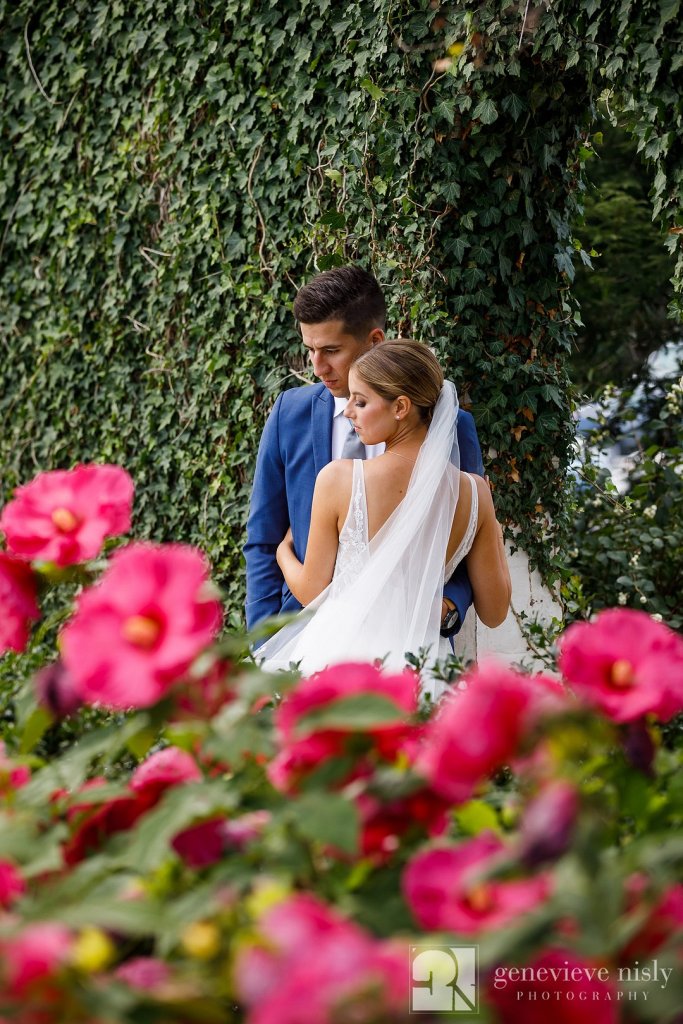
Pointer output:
x,y
385,596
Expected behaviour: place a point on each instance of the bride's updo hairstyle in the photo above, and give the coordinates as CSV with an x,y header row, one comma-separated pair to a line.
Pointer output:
x,y
403,367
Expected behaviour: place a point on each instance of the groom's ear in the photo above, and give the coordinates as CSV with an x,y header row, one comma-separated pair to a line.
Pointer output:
x,y
375,336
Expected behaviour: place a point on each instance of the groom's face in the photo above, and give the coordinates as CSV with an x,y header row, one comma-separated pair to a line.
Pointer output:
x,y
332,351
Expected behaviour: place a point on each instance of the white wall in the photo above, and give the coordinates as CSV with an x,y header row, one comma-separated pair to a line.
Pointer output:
x,y
507,642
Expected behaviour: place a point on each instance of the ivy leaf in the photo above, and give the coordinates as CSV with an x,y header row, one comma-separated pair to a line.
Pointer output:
x,y
514,105
485,111
372,89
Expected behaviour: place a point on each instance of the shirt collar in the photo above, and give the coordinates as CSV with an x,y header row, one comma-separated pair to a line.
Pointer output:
x,y
339,406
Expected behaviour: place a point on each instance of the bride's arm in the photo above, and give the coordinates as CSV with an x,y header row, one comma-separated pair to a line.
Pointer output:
x,y
308,579
487,565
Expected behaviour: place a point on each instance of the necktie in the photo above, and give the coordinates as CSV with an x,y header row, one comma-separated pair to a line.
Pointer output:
x,y
353,446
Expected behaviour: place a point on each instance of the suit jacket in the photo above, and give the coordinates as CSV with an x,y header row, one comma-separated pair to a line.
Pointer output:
x,y
295,445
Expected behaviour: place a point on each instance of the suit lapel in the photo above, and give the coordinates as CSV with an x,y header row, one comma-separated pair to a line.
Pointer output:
x,y
322,413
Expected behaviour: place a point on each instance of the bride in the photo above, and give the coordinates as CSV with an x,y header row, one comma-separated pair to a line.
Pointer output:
x,y
386,533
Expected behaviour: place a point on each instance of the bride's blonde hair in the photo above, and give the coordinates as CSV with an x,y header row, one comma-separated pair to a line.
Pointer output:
x,y
403,367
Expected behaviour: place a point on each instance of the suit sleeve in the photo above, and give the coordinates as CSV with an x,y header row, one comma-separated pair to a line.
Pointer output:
x,y
458,588
267,524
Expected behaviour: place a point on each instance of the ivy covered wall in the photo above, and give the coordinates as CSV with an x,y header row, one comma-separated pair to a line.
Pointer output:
x,y
172,171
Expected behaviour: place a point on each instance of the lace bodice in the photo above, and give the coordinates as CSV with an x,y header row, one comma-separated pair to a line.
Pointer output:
x,y
353,550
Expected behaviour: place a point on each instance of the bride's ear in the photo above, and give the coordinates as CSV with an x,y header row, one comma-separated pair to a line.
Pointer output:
x,y
402,406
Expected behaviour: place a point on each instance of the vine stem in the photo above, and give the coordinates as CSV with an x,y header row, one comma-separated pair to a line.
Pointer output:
x,y
53,103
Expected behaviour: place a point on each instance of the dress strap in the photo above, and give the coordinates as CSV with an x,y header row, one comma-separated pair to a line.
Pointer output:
x,y
470,530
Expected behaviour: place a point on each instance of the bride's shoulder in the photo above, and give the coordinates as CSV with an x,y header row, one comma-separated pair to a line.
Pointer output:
x,y
337,472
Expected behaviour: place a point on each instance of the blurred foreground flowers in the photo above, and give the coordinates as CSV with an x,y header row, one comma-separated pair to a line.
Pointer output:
x,y
221,845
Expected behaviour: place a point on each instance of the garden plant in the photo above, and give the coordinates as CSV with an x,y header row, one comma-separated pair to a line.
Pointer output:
x,y
226,845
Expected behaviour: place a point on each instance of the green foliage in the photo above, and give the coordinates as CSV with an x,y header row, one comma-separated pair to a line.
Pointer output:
x,y
624,294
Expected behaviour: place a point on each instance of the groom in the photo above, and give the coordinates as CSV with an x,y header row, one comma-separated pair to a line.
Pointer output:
x,y
341,314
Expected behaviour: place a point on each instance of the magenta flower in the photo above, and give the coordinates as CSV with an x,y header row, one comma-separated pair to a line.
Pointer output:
x,y
626,664
144,972
164,769
12,885
557,986
64,516
138,630
12,776
303,748
204,844
448,888
316,967
480,729
35,954
18,604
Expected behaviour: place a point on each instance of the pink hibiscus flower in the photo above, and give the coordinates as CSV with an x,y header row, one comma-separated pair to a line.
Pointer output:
x,y
316,967
304,747
626,664
18,603
480,729
447,888
163,769
35,954
63,516
137,631
12,885
12,776
579,992
144,972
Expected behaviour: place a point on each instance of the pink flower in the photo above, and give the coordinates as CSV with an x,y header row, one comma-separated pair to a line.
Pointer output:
x,y
626,664
35,954
144,972
304,748
557,986
447,888
163,769
12,776
137,631
206,843
316,967
384,825
663,924
12,885
64,516
480,729
18,603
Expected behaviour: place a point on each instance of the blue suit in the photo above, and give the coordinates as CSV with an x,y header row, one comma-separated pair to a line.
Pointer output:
x,y
295,445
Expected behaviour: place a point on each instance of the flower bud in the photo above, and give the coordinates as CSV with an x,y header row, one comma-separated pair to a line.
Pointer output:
x,y
56,690
548,823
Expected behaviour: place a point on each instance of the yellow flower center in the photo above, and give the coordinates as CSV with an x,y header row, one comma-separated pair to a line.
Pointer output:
x,y
622,674
141,630
480,897
64,520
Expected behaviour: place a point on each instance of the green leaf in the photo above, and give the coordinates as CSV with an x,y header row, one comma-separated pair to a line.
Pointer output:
x,y
37,723
372,89
475,817
327,818
356,713
485,111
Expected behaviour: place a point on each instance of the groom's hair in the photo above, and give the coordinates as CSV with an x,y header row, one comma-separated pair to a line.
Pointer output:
x,y
349,294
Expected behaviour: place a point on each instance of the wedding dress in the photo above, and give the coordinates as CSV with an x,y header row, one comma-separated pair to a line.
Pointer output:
x,y
385,596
